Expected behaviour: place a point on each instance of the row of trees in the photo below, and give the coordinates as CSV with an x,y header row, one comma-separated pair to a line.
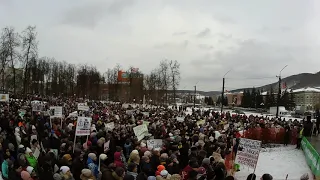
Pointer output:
x,y
254,99
23,72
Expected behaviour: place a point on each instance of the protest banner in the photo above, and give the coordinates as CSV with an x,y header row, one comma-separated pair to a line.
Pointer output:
x,y
140,131
4,97
109,126
56,111
83,126
248,152
154,143
83,107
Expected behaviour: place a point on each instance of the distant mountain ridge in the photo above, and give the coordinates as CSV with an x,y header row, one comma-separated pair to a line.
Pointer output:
x,y
296,81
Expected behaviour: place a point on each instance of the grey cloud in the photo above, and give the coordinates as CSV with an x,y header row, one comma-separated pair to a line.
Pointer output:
x,y
223,19
204,33
179,33
205,46
183,44
90,14
252,59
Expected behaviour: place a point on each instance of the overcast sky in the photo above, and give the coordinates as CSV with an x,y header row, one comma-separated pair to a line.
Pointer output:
x,y
208,37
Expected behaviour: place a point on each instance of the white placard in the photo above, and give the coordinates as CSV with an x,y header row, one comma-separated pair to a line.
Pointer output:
x,y
83,126
36,107
83,107
36,153
56,111
109,126
248,152
154,143
140,131
145,114
4,97
180,119
106,146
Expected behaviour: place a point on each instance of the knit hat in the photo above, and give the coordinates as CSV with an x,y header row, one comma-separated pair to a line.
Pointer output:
x,y
147,153
151,178
25,175
160,168
164,173
57,176
92,156
305,177
206,161
67,157
143,144
86,174
28,151
11,147
64,169
30,169
135,152
103,157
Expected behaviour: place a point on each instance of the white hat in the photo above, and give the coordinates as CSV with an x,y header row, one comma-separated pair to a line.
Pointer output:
x,y
28,150
135,152
164,173
33,127
103,157
143,144
30,169
64,169
21,146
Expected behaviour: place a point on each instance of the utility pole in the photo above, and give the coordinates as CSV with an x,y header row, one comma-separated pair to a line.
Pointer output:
x,y
278,97
222,94
194,97
279,91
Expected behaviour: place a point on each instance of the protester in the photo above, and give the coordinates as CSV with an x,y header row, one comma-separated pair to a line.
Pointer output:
x,y
36,146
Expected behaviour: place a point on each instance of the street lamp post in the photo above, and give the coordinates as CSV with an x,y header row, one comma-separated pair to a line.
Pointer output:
x,y
222,93
279,91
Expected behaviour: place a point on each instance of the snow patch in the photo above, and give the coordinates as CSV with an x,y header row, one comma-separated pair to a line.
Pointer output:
x,y
278,162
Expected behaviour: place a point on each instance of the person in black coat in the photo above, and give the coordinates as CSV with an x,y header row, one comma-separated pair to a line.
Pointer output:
x,y
307,128
78,164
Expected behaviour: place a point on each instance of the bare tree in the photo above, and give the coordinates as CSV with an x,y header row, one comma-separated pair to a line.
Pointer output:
x,y
175,76
9,43
29,51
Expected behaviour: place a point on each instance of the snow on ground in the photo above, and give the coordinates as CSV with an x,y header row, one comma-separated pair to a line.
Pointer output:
x,y
278,162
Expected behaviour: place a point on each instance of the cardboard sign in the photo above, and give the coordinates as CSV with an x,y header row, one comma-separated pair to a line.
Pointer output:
x,y
37,107
4,97
140,131
83,126
109,126
56,111
248,152
83,107
180,119
154,143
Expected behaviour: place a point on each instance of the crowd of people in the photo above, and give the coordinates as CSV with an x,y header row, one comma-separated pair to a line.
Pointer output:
x,y
34,146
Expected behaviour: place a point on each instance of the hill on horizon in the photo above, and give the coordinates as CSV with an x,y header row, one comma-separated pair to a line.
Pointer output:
x,y
296,81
